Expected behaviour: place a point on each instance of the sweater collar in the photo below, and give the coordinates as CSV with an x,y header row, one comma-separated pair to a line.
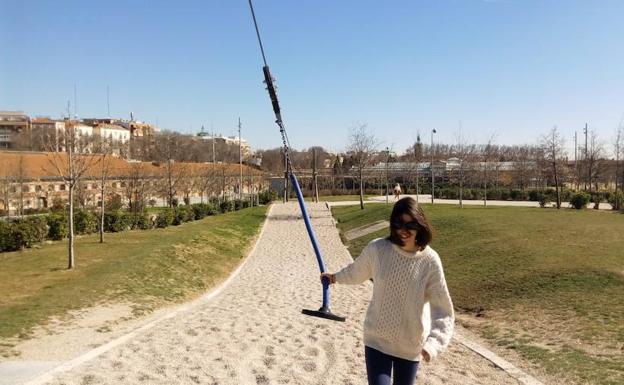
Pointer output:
x,y
408,254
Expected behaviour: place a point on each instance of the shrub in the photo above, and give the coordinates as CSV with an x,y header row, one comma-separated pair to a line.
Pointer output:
x,y
141,221
211,209
57,226
533,195
116,221
182,214
517,195
542,199
579,200
85,222
24,233
616,200
187,201
201,210
226,206
238,204
164,218
267,196
4,236
597,199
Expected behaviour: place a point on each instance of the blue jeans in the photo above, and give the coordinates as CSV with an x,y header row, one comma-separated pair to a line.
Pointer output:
x,y
379,368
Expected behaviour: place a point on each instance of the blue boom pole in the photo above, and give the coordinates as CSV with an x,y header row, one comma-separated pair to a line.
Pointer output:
x,y
324,311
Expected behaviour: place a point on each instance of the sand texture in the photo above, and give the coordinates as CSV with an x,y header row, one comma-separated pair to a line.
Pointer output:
x,y
253,331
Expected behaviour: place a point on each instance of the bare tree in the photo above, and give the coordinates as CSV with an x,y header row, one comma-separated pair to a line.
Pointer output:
x,y
137,187
71,168
169,148
361,145
594,153
552,145
487,154
5,188
21,178
463,153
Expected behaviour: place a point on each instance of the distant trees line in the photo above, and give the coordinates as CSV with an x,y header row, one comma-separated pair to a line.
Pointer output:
x,y
482,169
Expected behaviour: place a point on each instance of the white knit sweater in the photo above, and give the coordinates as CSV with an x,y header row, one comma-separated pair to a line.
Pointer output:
x,y
403,283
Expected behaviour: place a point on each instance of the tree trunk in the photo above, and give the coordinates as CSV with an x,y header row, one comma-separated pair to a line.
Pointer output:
x,y
71,262
102,189
461,188
361,191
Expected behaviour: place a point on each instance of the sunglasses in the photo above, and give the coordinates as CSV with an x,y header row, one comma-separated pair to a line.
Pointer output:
x,y
397,225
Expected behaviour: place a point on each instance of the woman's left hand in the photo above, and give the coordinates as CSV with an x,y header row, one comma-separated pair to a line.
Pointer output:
x,y
426,357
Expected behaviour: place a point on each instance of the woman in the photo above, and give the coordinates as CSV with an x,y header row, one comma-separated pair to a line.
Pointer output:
x,y
407,274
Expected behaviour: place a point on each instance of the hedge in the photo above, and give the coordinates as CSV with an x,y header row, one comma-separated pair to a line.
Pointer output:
x,y
23,233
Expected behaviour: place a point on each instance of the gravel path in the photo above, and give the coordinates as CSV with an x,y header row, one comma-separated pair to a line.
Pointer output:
x,y
253,331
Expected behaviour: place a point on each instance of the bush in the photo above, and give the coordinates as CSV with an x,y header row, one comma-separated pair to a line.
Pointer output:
x,y
238,204
187,201
39,228
117,221
267,196
517,195
542,199
597,199
164,218
183,214
211,209
616,200
141,221
534,195
85,222
201,210
5,235
579,200
23,233
226,206
57,226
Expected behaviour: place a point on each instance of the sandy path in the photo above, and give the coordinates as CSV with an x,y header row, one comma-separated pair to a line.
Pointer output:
x,y
253,332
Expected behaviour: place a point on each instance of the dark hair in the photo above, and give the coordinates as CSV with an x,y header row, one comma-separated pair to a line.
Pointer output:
x,y
409,206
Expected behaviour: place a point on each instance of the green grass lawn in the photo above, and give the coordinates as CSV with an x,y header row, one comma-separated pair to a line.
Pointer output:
x,y
547,284
145,268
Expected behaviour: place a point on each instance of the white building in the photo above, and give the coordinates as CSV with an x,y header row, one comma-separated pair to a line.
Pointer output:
x,y
112,132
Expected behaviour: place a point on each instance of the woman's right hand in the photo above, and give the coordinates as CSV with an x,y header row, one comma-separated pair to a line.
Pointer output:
x,y
331,278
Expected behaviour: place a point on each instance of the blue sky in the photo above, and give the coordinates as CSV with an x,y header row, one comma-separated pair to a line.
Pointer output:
x,y
508,68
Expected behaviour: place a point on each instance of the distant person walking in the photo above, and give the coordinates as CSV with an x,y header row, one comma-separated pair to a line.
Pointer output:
x,y
407,274
397,191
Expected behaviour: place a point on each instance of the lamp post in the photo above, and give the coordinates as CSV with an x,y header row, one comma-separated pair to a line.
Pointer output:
x,y
387,161
433,131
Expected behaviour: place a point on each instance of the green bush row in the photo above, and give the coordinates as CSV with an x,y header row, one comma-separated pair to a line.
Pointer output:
x,y
18,234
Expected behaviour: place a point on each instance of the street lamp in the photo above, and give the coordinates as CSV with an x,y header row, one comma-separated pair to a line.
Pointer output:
x,y
433,131
387,161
